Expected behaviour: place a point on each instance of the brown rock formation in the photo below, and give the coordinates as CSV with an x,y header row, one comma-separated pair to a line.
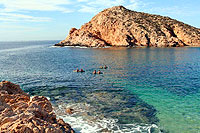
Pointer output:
x,y
118,26
21,114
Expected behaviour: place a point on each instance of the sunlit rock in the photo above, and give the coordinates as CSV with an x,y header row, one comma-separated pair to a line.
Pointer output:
x,y
118,26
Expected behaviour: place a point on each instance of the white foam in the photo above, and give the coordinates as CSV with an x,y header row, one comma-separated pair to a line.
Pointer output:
x,y
102,47
48,98
81,47
107,47
82,123
75,47
78,47
106,125
70,46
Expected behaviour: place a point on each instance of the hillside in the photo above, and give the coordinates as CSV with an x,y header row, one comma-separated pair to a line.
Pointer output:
x,y
118,26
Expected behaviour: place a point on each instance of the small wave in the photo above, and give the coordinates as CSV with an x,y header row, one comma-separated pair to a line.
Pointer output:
x,y
22,48
76,46
69,47
82,122
107,47
53,46
103,47
81,47
84,47
106,125
48,98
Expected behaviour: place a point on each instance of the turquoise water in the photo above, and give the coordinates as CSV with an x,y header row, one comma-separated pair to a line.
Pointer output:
x,y
160,84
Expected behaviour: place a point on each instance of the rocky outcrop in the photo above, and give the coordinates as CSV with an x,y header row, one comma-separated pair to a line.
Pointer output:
x,y
21,113
118,26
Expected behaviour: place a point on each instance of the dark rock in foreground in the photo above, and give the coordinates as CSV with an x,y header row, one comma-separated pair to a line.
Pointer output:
x,y
118,26
21,113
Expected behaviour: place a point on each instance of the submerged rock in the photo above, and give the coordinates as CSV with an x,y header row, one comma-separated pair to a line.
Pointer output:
x,y
125,107
109,108
69,111
21,113
118,26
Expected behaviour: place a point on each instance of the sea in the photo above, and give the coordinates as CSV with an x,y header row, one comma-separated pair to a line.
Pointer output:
x,y
143,90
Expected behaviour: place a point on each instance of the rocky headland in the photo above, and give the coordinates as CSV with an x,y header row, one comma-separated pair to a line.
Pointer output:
x,y
118,26
21,113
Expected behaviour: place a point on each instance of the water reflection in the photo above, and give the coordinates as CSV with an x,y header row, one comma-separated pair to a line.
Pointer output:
x,y
158,67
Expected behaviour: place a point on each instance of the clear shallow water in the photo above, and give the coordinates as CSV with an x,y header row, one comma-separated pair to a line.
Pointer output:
x,y
160,84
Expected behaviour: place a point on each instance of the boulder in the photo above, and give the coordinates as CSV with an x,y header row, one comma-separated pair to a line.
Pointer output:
x,y
21,113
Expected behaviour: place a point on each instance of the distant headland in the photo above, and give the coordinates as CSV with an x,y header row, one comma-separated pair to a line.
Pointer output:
x,y
118,26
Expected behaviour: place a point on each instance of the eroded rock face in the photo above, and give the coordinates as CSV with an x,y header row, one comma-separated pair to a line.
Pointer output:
x,y
118,26
21,113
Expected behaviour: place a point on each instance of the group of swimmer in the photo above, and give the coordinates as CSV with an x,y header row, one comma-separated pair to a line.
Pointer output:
x,y
94,72
99,72
103,67
77,70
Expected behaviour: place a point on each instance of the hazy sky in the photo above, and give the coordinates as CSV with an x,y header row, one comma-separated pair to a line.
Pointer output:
x,y
52,19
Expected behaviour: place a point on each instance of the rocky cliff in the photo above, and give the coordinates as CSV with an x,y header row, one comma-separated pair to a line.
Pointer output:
x,y
20,113
118,26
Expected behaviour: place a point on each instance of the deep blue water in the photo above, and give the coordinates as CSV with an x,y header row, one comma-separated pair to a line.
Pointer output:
x,y
160,84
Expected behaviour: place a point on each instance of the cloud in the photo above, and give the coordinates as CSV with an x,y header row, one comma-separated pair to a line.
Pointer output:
x,y
88,9
82,0
17,10
14,10
137,5
106,3
133,4
6,26
12,17
37,5
94,6
171,11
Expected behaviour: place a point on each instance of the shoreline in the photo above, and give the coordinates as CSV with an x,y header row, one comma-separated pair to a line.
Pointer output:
x,y
85,46
22,113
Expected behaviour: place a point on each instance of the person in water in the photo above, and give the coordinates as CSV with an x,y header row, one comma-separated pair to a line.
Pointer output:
x,y
82,70
77,70
99,72
94,72
103,67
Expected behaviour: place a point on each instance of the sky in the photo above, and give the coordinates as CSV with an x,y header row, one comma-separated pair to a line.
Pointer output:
x,y
23,20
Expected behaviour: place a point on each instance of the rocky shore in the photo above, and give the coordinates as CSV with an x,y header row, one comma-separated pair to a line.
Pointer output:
x,y
21,113
118,26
